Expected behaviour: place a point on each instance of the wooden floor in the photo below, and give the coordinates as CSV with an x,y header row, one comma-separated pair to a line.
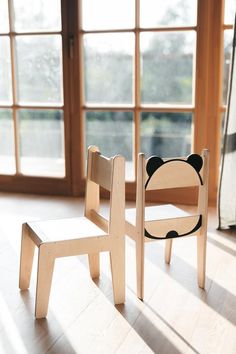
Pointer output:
x,y
175,317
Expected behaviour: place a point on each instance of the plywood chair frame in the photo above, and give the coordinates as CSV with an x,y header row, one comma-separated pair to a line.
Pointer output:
x,y
144,225
109,235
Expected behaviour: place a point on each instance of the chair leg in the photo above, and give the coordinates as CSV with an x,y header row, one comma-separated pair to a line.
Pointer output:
x,y
26,258
44,279
117,259
140,268
201,259
168,249
94,265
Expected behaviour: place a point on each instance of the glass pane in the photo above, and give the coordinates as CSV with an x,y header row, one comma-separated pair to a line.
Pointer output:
x,y
167,67
154,13
228,43
108,64
166,134
5,71
4,21
39,69
107,14
112,133
34,16
230,8
7,152
42,142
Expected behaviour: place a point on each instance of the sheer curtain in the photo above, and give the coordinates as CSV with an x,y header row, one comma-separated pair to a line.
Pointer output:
x,y
227,185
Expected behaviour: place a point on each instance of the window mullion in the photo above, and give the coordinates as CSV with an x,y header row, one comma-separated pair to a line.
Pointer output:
x,y
14,86
137,85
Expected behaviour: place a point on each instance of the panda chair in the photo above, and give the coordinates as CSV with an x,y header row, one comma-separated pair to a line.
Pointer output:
x,y
151,223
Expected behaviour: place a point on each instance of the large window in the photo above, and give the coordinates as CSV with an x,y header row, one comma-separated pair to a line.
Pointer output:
x,y
127,75
31,89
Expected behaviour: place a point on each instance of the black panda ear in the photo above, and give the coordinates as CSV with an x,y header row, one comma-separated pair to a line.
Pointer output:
x,y
195,160
153,164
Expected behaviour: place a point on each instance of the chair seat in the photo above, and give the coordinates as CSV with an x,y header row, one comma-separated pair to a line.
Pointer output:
x,y
157,212
65,229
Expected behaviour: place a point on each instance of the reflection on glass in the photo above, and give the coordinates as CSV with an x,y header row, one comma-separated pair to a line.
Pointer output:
x,y
5,71
39,69
7,153
166,134
154,13
34,16
107,14
167,67
230,8
108,65
112,132
42,142
228,42
4,21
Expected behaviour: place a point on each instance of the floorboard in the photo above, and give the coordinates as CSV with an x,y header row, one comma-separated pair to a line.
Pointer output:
x,y
175,316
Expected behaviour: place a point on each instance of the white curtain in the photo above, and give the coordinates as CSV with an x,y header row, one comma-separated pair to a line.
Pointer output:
x,y
227,185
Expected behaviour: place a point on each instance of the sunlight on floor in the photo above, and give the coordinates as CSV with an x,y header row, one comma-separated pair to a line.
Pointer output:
x,y
12,336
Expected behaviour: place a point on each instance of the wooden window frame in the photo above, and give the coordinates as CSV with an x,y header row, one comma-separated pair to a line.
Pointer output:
x,y
207,109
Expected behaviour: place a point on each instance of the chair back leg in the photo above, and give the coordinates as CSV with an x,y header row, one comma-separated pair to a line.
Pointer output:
x,y
168,249
94,265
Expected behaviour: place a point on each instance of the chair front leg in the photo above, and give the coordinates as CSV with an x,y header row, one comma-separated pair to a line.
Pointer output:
x,y
46,262
117,260
26,258
201,259
140,248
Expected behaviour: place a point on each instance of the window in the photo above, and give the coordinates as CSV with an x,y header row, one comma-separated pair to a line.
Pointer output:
x,y
126,75
31,89
230,7
133,99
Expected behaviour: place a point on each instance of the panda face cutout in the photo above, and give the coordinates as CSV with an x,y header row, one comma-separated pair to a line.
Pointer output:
x,y
189,170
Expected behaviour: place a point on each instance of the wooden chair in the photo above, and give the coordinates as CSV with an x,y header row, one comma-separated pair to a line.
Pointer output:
x,y
90,234
168,221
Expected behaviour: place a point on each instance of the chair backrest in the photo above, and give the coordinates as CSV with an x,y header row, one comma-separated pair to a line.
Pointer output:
x,y
156,173
108,173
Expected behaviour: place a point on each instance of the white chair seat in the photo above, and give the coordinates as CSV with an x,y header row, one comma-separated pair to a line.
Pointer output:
x,y
157,212
65,229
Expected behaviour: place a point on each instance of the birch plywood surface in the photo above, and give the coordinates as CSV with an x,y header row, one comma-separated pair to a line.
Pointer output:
x,y
176,316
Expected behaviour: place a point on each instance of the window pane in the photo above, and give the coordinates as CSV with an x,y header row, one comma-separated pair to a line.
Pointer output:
x,y
167,67
39,69
7,153
230,8
166,134
154,13
5,71
112,133
228,43
4,22
107,14
34,16
42,142
108,62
